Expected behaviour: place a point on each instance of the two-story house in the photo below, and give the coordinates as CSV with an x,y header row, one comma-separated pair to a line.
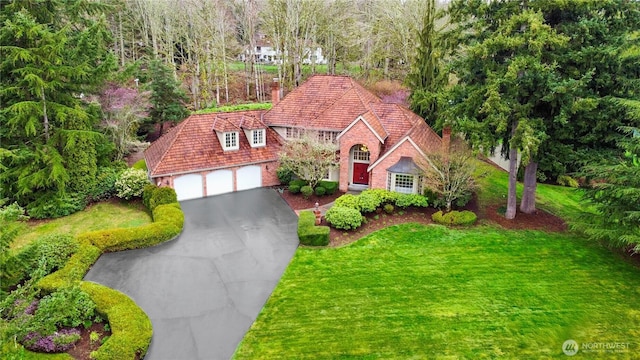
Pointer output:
x,y
222,152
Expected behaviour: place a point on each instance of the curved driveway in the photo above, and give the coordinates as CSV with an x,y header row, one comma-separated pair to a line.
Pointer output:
x,y
204,289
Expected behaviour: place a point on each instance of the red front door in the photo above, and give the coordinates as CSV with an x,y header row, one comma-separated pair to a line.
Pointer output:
x,y
360,174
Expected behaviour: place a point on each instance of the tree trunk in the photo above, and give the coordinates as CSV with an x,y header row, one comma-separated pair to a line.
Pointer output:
x,y
510,214
45,117
528,202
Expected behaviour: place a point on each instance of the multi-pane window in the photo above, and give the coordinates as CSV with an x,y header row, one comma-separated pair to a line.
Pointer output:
x,y
294,133
257,137
360,155
404,183
328,136
230,140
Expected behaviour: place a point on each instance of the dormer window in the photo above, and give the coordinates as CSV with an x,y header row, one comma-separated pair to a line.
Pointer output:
x,y
231,141
257,138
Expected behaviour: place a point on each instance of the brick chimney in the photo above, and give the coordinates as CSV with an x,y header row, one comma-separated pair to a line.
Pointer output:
x,y
275,91
446,139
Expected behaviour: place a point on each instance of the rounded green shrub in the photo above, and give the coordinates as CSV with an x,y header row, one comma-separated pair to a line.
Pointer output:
x,y
298,182
284,175
349,201
406,200
455,218
147,193
162,196
131,183
320,191
368,201
105,185
330,186
343,217
294,188
388,208
306,191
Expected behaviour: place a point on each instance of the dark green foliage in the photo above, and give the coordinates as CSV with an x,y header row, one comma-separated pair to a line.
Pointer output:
x,y
615,193
427,77
294,188
104,187
330,186
284,175
299,182
320,191
55,205
162,196
47,254
309,233
455,218
343,217
388,208
67,307
52,53
147,193
167,98
463,199
306,191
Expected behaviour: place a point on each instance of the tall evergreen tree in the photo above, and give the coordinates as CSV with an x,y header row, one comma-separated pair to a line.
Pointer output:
x,y
54,52
505,74
427,77
167,98
615,193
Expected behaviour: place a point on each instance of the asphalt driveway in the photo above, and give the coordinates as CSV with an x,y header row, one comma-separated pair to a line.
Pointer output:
x,y
204,289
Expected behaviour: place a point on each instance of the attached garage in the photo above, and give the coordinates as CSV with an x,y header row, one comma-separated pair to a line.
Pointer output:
x,y
188,186
248,177
219,182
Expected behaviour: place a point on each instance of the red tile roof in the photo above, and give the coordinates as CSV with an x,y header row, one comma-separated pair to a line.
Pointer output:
x,y
323,102
193,146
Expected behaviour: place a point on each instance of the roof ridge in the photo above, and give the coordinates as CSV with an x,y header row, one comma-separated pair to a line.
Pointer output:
x,y
373,110
175,137
326,108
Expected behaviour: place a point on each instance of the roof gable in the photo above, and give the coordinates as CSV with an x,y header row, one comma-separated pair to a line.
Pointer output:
x,y
372,123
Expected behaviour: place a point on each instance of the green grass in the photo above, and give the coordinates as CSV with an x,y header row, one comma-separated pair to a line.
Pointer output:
x,y
100,216
353,70
562,201
417,292
232,108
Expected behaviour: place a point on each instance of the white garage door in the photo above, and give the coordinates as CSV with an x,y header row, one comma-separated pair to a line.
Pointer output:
x,y
249,177
219,182
188,186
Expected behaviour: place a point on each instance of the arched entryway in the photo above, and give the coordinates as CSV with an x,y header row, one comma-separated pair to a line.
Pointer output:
x,y
359,159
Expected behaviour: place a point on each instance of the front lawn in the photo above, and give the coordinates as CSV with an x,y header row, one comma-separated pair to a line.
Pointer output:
x,y
415,291
104,215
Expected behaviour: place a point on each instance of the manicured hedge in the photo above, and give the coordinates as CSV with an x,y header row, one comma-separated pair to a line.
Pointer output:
x,y
454,217
344,218
309,233
168,221
131,329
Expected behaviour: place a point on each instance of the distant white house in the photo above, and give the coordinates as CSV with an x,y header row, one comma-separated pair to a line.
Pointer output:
x,y
267,54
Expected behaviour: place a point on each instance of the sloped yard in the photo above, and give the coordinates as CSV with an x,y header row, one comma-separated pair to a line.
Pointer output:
x,y
415,291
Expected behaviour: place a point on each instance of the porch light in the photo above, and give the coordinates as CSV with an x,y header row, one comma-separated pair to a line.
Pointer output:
x,y
364,148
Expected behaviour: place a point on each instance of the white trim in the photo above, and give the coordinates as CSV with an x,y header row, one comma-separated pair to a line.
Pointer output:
x,y
392,183
406,138
213,168
253,136
354,123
